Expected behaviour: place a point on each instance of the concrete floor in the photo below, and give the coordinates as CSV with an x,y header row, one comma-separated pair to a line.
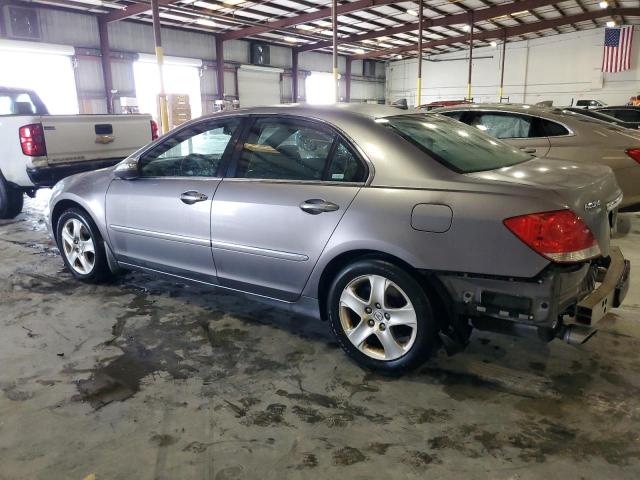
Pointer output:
x,y
146,379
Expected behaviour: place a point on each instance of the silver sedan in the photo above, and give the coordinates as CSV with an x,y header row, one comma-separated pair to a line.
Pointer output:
x,y
561,134
401,230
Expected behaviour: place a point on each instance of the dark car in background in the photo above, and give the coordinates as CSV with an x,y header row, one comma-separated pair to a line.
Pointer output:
x,y
624,113
601,115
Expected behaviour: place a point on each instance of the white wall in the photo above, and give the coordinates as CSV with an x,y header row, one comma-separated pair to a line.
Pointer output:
x,y
559,68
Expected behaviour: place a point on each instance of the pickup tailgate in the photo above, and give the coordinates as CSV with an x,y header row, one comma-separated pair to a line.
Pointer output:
x,y
79,138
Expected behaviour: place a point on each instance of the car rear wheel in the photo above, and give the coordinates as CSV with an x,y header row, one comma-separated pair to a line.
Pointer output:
x,y
11,199
82,247
381,316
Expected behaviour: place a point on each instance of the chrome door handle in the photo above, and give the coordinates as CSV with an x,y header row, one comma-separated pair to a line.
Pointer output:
x,y
528,149
314,206
192,197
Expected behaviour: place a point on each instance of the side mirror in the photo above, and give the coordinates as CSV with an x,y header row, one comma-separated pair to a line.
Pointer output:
x,y
127,170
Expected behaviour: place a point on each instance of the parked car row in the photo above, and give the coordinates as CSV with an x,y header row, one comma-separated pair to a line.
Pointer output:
x,y
403,230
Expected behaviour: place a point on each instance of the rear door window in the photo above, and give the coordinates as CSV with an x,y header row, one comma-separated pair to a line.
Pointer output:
x,y
503,125
292,149
553,129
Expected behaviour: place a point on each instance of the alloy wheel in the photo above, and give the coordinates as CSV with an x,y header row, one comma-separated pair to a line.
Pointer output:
x,y
78,246
377,317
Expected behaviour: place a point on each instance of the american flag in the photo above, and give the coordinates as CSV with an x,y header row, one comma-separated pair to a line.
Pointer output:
x,y
617,49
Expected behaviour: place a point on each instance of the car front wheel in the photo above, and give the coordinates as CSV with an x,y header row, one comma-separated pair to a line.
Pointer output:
x,y
82,247
381,316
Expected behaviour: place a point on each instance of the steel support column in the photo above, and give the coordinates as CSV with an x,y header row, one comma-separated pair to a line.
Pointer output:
x,y
220,68
347,80
334,26
105,58
420,29
470,55
294,75
164,114
504,51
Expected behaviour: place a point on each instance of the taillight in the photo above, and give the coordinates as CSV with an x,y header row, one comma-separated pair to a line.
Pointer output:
x,y
32,140
154,130
634,153
561,236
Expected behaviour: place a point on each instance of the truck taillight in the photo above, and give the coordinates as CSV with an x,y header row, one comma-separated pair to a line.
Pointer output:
x,y
561,236
32,140
154,130
634,153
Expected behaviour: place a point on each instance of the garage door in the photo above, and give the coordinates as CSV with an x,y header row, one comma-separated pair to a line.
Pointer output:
x,y
258,87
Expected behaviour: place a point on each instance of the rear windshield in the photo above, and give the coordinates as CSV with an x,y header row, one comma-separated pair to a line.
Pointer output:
x,y
20,103
460,147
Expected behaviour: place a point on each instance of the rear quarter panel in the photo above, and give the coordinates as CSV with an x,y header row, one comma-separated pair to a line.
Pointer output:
x,y
379,219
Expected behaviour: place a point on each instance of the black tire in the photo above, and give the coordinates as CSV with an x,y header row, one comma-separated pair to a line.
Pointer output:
x,y
100,271
426,339
11,200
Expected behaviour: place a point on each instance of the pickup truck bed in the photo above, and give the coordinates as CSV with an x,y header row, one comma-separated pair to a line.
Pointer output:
x,y
38,149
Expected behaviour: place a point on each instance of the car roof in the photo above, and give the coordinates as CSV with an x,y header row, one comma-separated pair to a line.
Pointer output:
x,y
325,112
507,107
14,90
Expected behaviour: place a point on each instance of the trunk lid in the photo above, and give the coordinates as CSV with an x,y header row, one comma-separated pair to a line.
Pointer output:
x,y
588,189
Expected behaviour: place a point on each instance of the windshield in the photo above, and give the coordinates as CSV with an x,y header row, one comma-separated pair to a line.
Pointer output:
x,y
460,147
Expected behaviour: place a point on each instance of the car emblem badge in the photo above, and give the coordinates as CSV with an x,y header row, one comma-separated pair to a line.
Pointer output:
x,y
592,205
378,316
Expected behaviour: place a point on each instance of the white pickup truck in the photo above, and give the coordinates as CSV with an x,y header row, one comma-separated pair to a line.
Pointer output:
x,y
38,149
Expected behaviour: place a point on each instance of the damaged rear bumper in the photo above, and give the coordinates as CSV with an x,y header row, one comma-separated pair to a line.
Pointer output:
x,y
581,294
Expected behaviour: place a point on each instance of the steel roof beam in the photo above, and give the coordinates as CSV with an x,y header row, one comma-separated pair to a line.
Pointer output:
x,y
444,21
511,31
304,18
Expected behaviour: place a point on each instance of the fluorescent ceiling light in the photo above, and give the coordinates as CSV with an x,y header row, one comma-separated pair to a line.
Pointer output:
x,y
466,28
323,23
359,51
206,22
291,39
611,24
233,2
170,16
603,4
398,57
522,12
210,6
97,3
305,27
412,13
493,44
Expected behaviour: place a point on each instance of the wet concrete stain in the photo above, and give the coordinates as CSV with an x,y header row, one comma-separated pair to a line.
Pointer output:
x,y
420,459
12,392
163,440
348,456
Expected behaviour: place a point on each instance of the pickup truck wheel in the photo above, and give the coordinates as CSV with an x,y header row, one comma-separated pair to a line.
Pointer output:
x,y
82,247
381,316
11,200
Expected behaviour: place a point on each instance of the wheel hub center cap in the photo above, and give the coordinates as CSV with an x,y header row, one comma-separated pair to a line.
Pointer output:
x,y
377,315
